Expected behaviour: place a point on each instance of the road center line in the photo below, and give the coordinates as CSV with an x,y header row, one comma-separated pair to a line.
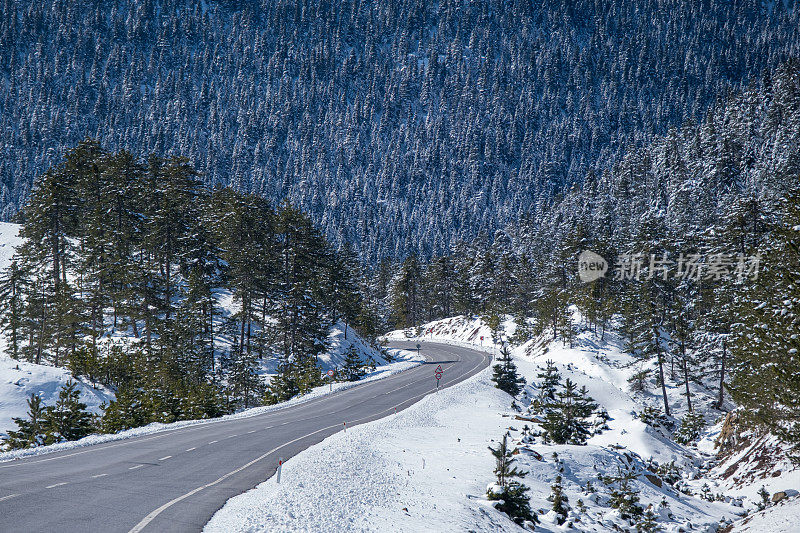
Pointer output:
x,y
56,485
135,467
192,449
213,442
99,475
165,458
8,497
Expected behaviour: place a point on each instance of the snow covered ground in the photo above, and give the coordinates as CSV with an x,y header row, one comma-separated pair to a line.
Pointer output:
x,y
428,467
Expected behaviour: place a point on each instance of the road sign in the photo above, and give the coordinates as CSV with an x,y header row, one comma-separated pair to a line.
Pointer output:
x,y
331,373
438,373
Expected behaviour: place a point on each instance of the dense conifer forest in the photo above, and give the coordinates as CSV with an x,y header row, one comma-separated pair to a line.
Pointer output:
x,y
400,127
121,272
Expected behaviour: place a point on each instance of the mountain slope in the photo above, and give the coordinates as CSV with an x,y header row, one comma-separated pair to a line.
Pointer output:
x,y
394,124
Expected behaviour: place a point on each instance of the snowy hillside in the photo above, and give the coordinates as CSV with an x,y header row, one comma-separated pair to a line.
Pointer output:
x,y
428,467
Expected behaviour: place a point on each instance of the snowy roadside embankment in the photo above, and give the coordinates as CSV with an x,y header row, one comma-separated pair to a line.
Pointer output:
x,y
458,331
418,470
404,360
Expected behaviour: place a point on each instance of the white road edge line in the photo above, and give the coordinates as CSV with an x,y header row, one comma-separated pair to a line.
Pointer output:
x,y
150,517
201,425
56,485
8,497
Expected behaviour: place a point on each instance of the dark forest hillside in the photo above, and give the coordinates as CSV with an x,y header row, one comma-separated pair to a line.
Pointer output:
x,y
399,126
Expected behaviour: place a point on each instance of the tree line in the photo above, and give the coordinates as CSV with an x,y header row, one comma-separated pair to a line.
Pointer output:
x,y
123,270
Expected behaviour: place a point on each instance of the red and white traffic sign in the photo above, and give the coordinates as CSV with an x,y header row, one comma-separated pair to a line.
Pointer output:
x,y
331,373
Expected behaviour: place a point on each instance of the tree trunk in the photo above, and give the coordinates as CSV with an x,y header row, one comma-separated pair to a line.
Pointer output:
x,y
721,397
686,376
661,372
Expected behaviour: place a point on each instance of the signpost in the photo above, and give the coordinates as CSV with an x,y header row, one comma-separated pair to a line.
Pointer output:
x,y
331,373
418,348
280,464
438,373
481,340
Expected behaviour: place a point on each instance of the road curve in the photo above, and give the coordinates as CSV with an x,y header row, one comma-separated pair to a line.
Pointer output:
x,y
177,479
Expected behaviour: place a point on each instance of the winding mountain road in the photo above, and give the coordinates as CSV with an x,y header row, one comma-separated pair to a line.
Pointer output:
x,y
176,480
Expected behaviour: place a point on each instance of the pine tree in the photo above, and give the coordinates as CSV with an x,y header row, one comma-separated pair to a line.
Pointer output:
x,y
244,382
512,496
766,344
353,367
505,375
623,496
31,431
550,381
567,419
126,411
648,523
12,305
283,385
560,500
68,419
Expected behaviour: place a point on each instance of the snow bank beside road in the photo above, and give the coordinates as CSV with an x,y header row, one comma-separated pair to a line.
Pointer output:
x,y
404,361
415,471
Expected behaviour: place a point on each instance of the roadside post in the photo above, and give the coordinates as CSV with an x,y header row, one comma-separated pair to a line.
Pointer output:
x,y
331,373
280,464
419,346
438,373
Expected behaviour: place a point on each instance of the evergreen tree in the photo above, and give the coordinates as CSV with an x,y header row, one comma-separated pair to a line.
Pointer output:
x,y
567,419
31,431
560,500
623,496
353,367
505,375
766,347
550,381
68,419
12,305
512,495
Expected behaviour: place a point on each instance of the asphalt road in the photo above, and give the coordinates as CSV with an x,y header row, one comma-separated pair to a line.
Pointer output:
x,y
176,480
